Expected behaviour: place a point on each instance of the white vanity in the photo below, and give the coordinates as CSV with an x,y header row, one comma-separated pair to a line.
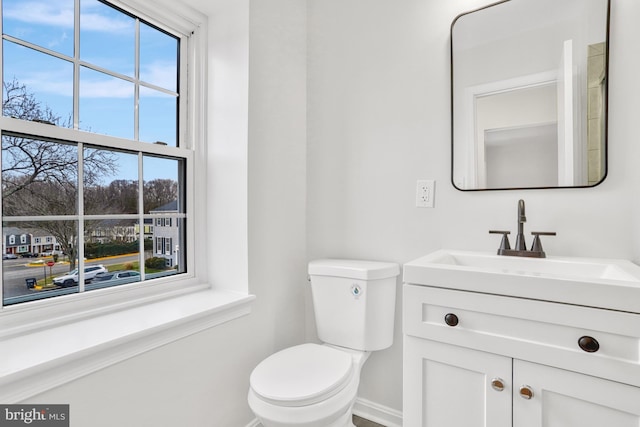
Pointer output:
x,y
496,341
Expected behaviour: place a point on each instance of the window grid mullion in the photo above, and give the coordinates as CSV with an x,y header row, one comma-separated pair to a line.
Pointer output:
x,y
141,215
136,90
80,238
37,48
76,65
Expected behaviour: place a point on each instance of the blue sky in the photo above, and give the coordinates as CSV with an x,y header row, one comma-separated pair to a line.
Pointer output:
x,y
107,39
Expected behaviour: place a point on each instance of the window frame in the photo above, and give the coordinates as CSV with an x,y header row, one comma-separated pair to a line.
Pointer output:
x,y
190,27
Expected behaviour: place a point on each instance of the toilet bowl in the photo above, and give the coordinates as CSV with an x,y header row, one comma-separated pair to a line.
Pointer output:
x,y
315,385
309,385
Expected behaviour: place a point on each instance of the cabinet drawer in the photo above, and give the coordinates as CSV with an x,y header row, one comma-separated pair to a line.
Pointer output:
x,y
538,331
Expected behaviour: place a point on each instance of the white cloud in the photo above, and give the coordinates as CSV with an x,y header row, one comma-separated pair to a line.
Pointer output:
x,y
61,84
60,41
112,88
49,81
161,74
60,14
96,22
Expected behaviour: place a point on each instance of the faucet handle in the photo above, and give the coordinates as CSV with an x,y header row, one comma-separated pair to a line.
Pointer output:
x,y
536,246
504,244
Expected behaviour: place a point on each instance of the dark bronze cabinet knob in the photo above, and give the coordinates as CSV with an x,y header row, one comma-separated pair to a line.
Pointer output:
x,y
451,319
589,344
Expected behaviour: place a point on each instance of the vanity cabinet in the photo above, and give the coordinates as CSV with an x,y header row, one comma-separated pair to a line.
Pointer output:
x,y
446,385
563,398
474,359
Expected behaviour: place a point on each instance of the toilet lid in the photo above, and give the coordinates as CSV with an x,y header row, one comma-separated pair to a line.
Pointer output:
x,y
302,375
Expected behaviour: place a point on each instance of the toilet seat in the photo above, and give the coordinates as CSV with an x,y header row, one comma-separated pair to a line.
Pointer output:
x,y
302,375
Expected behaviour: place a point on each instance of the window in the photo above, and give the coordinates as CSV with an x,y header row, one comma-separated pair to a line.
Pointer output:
x,y
111,121
101,327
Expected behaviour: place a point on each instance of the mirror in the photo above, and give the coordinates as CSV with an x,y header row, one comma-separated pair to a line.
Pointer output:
x,y
529,95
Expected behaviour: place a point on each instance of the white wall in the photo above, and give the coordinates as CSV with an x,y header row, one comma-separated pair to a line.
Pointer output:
x,y
379,119
202,380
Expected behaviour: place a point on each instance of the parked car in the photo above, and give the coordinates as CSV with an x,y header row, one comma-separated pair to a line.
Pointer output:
x,y
28,255
115,275
50,253
71,278
9,256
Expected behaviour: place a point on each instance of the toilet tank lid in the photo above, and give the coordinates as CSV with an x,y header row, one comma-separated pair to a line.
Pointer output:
x,y
353,269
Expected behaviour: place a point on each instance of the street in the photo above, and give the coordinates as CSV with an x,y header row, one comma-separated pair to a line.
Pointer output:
x,y
16,271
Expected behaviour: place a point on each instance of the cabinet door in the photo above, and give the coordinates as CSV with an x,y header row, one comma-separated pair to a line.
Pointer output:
x,y
446,385
568,399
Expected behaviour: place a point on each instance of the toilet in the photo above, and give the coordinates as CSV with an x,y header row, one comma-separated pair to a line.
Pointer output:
x,y
315,385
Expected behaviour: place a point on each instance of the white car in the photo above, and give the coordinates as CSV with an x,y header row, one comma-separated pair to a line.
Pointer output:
x,y
71,278
131,275
50,253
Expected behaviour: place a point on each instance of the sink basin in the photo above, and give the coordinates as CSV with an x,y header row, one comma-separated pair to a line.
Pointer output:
x,y
554,267
604,283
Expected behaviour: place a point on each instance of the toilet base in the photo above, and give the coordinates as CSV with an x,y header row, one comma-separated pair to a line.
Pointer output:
x,y
345,420
331,413
349,420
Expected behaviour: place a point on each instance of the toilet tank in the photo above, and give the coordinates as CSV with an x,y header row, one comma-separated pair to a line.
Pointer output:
x,y
354,302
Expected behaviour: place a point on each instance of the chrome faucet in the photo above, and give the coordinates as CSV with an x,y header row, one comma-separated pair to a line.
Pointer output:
x,y
521,246
522,218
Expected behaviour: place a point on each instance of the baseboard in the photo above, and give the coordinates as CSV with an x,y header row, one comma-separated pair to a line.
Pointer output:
x,y
377,413
369,410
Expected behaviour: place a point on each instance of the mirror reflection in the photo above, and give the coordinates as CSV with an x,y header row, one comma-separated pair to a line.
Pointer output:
x,y
529,95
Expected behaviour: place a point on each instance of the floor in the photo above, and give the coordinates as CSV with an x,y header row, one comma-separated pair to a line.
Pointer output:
x,y
361,422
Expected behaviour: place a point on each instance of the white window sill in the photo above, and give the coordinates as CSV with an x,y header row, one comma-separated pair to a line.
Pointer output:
x,y
35,362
